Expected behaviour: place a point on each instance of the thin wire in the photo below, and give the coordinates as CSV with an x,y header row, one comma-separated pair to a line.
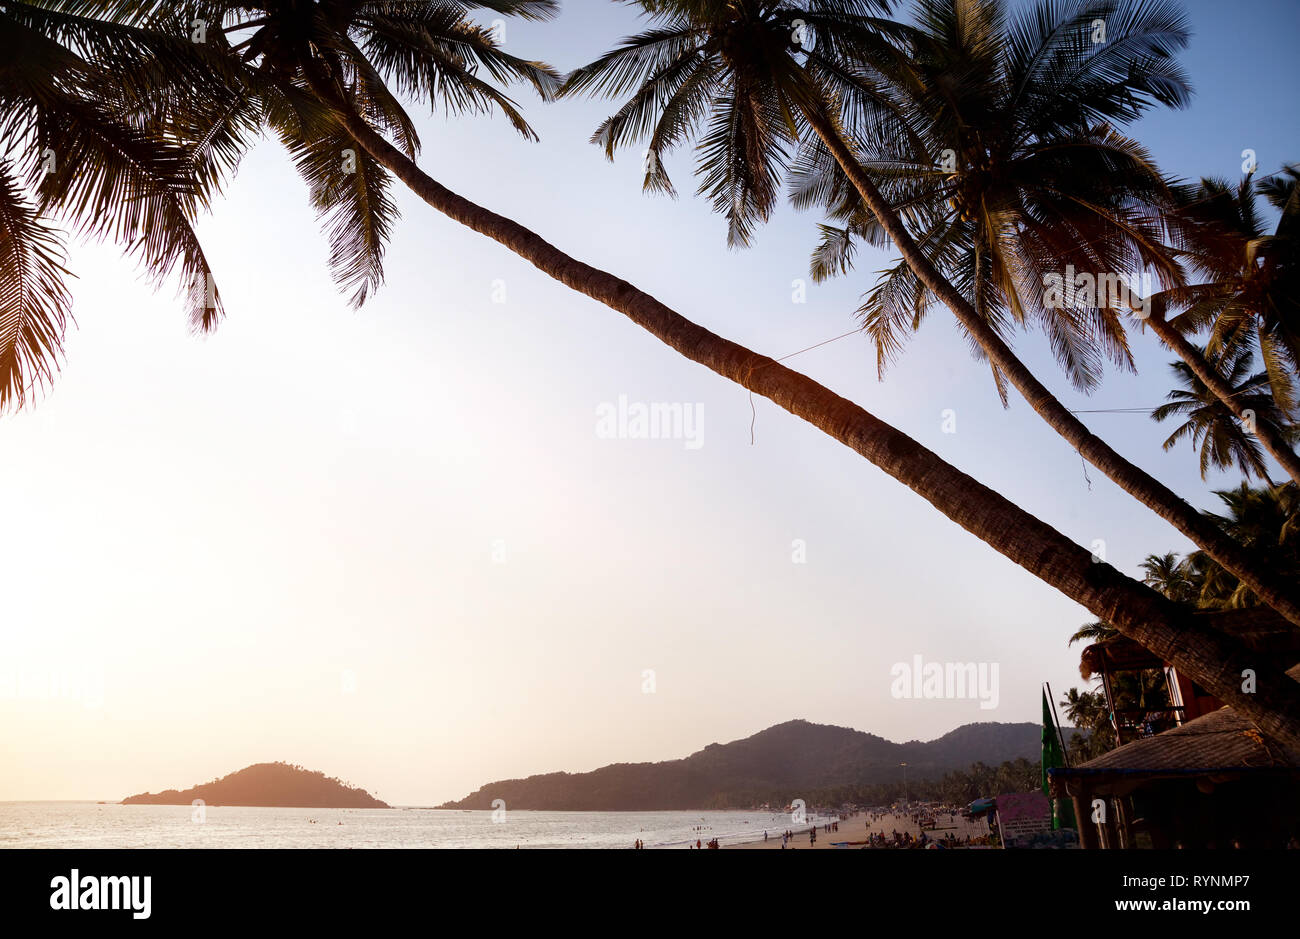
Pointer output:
x,y
753,412
1239,391
851,332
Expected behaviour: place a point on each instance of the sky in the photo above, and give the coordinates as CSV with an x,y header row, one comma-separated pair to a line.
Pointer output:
x,y
399,545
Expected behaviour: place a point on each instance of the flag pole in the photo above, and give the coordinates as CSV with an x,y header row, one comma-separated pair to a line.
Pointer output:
x,y
1065,752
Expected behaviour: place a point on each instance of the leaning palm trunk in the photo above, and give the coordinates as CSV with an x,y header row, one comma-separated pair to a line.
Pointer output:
x,y
1265,432
1170,631
1248,566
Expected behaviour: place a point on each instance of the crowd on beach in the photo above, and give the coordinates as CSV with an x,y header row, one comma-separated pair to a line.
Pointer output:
x,y
788,836
892,827
936,827
904,839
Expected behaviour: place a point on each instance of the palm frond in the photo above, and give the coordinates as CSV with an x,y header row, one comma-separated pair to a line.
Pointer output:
x,y
351,193
34,302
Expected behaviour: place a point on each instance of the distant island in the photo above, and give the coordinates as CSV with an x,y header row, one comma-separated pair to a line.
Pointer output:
x,y
278,785
794,759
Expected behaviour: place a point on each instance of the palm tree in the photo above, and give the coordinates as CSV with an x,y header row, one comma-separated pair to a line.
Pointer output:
x,y
318,73
1002,179
1212,425
1087,710
1265,517
1249,296
1169,575
1014,106
74,95
1092,632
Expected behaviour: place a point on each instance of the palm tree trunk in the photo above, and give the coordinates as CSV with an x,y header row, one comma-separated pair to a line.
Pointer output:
x,y
1249,566
1263,431
1172,632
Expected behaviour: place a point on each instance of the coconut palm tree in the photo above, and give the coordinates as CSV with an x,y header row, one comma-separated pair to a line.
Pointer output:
x,y
1082,707
1087,710
76,93
319,75
1223,439
1248,295
1169,575
1014,107
1092,632
1266,517
1004,180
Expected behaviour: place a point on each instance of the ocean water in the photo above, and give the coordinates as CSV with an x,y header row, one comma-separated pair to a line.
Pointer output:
x,y
94,825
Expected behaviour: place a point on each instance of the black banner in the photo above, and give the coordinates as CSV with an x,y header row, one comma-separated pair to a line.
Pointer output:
x,y
156,889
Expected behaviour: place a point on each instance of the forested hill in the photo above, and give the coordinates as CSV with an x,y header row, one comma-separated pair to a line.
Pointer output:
x,y
268,784
793,757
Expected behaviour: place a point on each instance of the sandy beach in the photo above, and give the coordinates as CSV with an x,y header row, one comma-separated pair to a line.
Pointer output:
x,y
857,827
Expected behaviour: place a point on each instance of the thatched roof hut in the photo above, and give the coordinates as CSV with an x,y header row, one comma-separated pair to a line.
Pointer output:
x,y
1221,742
1214,781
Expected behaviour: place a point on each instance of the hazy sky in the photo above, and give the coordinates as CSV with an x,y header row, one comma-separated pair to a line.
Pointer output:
x,y
392,546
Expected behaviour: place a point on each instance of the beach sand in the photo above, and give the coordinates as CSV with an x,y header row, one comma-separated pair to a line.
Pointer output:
x,y
856,828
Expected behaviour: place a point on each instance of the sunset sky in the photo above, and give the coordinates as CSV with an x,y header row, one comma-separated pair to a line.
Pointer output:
x,y
390,544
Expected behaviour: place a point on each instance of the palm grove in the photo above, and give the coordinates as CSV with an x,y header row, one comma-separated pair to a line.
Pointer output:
x,y
985,149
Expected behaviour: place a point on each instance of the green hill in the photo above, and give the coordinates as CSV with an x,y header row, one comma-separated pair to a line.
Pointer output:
x,y
795,757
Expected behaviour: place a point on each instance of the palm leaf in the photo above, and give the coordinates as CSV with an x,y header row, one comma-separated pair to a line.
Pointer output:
x,y
34,303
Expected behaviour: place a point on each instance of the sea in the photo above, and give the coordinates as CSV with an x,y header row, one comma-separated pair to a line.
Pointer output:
x,y
110,825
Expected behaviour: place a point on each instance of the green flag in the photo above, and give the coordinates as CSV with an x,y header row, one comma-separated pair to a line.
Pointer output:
x,y
1052,755
1062,814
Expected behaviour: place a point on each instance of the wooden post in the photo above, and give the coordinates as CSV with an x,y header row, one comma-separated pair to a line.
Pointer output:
x,y
1110,833
1080,794
1083,815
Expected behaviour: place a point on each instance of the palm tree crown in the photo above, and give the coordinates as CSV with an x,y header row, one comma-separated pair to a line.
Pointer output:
x,y
1092,632
742,74
146,110
997,143
83,101
1249,293
1266,518
302,58
1221,437
1169,575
